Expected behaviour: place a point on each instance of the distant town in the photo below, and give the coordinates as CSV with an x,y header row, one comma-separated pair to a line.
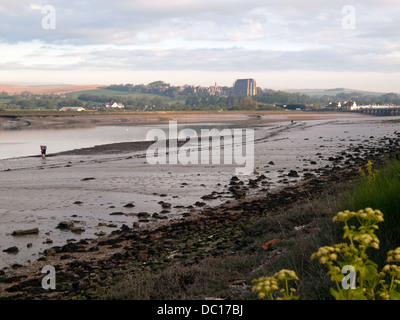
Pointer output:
x,y
158,95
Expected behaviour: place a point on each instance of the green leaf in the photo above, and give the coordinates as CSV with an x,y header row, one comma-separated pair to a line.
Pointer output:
x,y
336,294
368,272
358,294
394,295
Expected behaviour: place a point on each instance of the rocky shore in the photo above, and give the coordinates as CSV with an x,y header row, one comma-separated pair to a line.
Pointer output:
x,y
86,268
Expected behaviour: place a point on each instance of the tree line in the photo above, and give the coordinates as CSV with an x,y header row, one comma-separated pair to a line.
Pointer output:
x,y
158,95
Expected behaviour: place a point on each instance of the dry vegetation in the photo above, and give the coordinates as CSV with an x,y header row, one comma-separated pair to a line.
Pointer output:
x,y
229,276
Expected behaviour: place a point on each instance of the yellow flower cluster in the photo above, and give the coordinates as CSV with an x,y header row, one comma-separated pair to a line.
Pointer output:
x,y
344,216
325,254
266,286
393,273
392,269
366,214
286,275
393,255
346,250
364,234
367,240
384,296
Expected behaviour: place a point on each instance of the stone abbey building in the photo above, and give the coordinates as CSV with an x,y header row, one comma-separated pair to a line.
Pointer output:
x,y
245,87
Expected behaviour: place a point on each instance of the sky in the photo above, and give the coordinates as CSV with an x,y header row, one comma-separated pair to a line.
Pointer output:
x,y
282,44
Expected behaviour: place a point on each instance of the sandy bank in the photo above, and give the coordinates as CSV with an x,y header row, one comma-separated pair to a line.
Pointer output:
x,y
82,120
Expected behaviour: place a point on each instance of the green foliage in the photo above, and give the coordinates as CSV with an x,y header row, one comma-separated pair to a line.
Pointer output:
x,y
248,104
359,229
381,191
158,83
370,174
268,107
353,254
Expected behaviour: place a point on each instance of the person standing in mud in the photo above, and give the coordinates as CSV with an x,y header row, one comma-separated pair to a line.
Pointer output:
x,y
43,149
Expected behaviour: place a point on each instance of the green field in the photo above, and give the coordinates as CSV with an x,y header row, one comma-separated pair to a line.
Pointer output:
x,y
115,93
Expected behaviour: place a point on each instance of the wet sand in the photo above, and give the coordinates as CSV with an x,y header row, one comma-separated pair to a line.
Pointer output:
x,y
102,189
84,120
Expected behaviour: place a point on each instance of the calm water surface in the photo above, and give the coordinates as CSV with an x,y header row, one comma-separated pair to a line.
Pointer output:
x,y
27,142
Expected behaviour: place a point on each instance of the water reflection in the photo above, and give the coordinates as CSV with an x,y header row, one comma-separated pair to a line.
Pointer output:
x,y
27,142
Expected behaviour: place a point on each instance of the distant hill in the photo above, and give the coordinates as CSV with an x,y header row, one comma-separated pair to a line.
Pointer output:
x,y
96,89
332,92
46,89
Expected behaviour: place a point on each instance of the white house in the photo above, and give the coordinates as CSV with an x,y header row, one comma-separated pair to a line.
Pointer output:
x,y
115,105
354,106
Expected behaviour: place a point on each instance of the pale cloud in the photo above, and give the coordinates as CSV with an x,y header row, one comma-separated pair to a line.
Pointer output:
x,y
205,36
34,6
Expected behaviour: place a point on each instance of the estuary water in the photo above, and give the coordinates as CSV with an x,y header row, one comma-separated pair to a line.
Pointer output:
x,y
23,143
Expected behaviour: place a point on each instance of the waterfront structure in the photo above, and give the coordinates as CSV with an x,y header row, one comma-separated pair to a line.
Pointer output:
x,y
245,87
385,111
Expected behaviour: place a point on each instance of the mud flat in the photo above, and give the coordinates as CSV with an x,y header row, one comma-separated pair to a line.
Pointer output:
x,y
123,214
83,120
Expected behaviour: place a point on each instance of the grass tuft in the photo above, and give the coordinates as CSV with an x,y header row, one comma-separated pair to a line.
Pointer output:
x,y
381,193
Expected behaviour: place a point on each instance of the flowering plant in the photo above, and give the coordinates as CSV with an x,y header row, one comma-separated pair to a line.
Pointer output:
x,y
361,236
369,174
368,284
268,286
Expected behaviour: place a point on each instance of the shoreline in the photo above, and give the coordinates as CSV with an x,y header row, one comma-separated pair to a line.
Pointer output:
x,y
85,263
20,121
